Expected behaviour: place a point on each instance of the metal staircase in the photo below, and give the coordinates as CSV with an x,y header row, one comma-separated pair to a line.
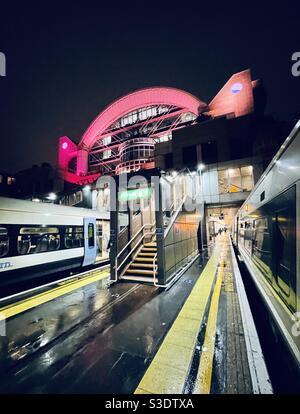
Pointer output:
x,y
143,266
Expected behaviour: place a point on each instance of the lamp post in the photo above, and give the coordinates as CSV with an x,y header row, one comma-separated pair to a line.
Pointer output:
x,y
200,168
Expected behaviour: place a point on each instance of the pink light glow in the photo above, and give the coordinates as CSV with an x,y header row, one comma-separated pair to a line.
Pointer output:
x,y
136,100
241,103
235,97
67,150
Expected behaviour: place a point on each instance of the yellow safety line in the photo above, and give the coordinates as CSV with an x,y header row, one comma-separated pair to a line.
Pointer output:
x,y
32,302
168,370
204,375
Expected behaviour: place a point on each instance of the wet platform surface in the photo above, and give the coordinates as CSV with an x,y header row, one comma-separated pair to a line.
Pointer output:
x,y
107,353
131,337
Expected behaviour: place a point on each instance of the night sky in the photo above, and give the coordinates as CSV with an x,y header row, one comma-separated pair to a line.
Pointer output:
x,y
65,63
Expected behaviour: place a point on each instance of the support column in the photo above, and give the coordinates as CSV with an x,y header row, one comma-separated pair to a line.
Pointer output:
x,y
204,228
114,225
161,276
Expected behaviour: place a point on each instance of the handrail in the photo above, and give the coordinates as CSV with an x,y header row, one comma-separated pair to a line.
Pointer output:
x,y
155,267
133,238
174,217
123,229
125,247
134,248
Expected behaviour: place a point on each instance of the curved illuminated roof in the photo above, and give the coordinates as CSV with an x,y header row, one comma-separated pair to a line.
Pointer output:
x,y
135,100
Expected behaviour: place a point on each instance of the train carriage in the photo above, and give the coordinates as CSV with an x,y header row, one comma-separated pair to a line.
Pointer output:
x,y
267,235
37,239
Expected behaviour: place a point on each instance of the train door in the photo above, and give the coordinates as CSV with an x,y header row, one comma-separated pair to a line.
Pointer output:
x,y
90,245
285,255
102,240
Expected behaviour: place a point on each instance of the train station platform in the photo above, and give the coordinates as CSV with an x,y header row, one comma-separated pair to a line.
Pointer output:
x,y
197,337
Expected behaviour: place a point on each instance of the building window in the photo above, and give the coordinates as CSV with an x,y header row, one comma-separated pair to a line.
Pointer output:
x,y
247,178
209,152
164,138
1,178
169,161
38,240
189,156
4,241
234,180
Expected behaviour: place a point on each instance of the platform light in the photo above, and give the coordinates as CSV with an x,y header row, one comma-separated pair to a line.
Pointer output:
x,y
87,188
52,196
201,167
36,200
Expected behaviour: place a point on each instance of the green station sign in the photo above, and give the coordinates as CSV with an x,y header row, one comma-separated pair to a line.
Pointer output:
x,y
129,195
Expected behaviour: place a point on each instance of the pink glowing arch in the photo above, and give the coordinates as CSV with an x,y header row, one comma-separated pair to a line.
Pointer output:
x,y
135,100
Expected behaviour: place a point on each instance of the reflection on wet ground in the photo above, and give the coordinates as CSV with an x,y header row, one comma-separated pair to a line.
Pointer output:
x,y
93,340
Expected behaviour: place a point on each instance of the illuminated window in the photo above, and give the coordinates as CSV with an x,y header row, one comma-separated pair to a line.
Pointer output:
x,y
4,241
74,237
1,179
106,154
164,138
91,237
38,240
234,180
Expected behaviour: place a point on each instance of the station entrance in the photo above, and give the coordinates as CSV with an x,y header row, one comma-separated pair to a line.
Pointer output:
x,y
156,225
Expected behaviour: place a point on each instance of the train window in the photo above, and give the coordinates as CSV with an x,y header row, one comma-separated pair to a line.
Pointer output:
x,y
99,236
4,241
262,196
283,250
38,240
91,237
74,237
262,246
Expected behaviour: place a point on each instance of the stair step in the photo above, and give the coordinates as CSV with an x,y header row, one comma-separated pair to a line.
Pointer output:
x,y
139,278
152,244
139,272
144,259
149,249
146,254
146,265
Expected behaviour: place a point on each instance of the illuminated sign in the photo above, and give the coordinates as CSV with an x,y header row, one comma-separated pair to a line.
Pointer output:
x,y
236,87
135,194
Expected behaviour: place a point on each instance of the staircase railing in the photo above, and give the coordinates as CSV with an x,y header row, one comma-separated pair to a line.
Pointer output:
x,y
174,216
139,242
